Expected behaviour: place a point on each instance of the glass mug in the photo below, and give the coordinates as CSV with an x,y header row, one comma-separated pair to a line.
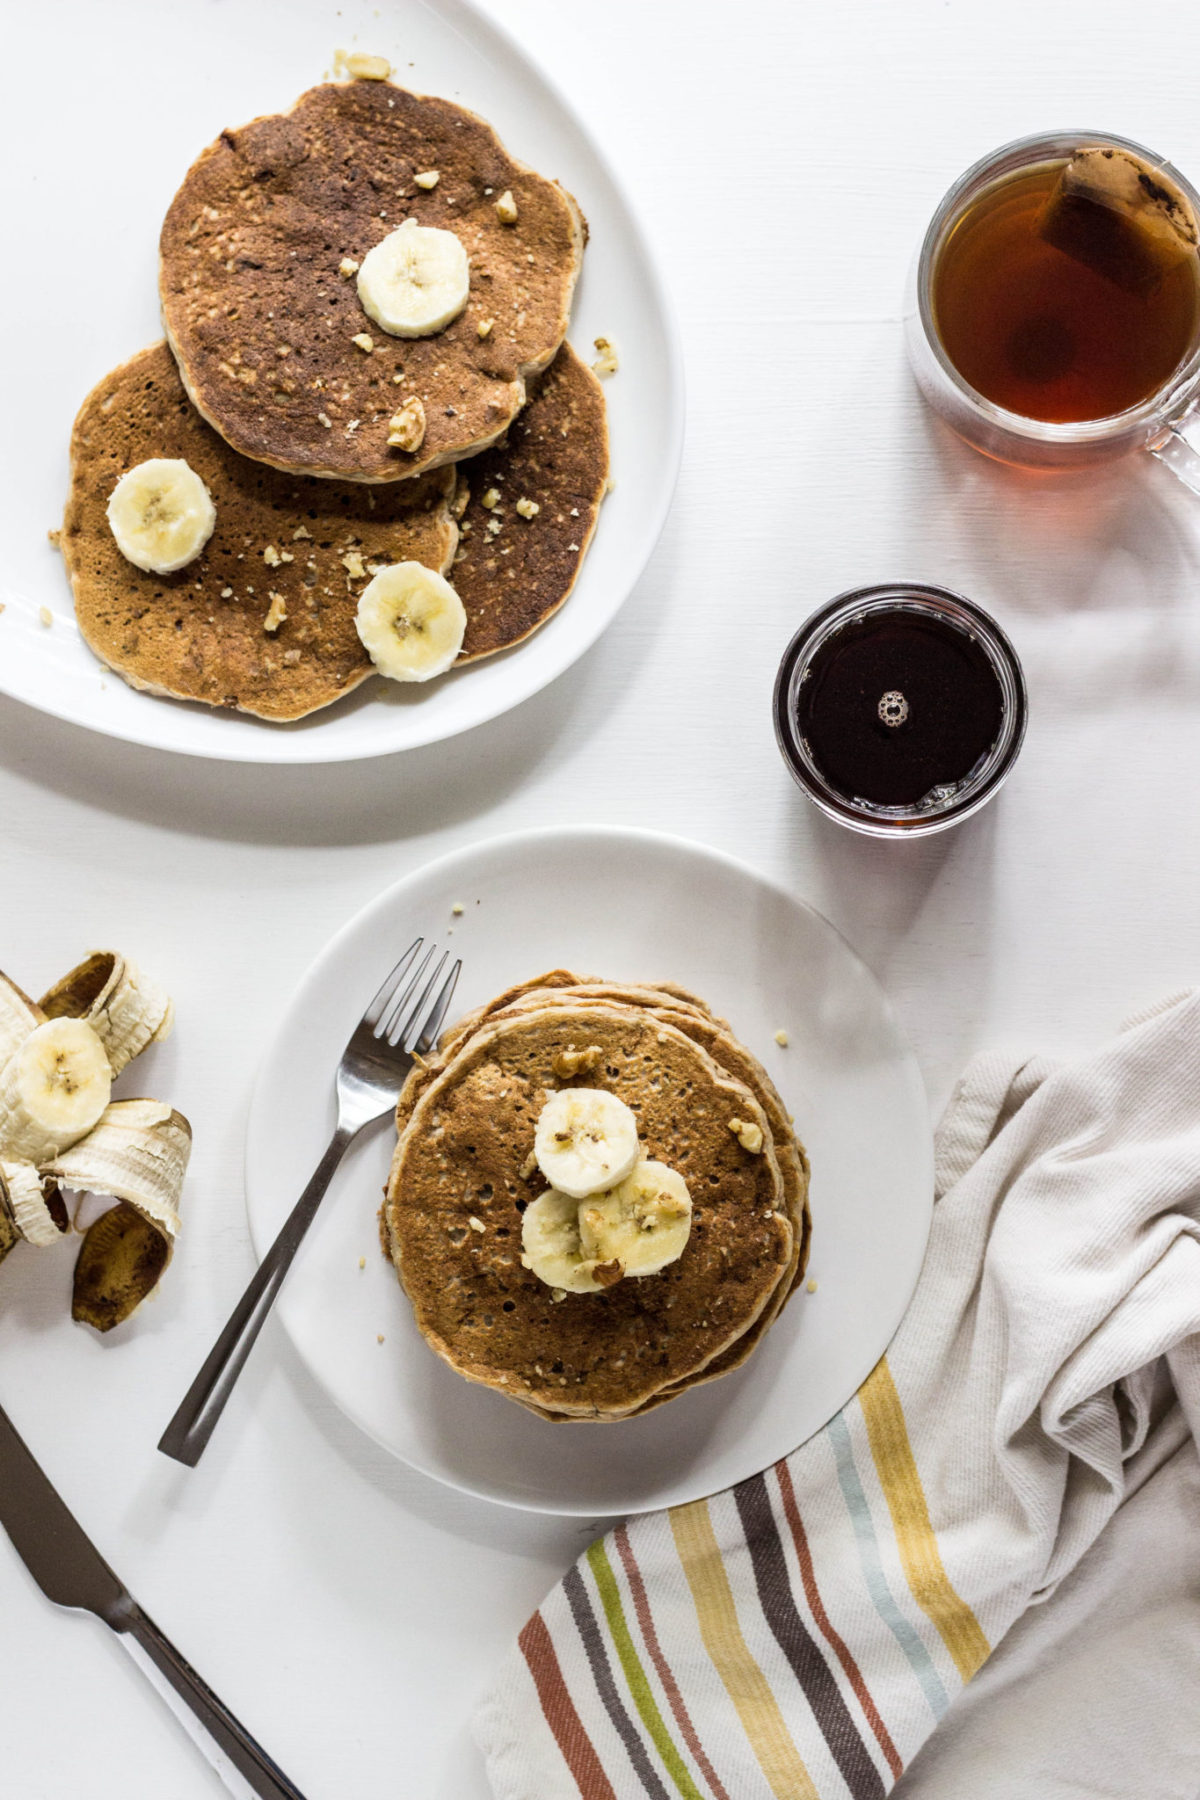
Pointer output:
x,y
1153,421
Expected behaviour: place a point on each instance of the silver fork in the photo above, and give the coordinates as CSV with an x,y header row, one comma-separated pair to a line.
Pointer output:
x,y
394,1028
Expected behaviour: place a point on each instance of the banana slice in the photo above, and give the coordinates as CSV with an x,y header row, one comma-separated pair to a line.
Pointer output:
x,y
643,1224
138,1152
34,1204
415,281
411,622
18,1017
52,1090
123,1006
161,514
551,1246
586,1140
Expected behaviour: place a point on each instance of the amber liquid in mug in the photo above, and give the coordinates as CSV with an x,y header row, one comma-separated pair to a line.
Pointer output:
x,y
1047,334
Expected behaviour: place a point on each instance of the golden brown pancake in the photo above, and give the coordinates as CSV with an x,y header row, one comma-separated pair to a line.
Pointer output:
x,y
199,634
513,572
263,323
465,1154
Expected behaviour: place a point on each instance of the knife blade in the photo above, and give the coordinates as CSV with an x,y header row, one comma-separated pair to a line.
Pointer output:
x,y
71,1571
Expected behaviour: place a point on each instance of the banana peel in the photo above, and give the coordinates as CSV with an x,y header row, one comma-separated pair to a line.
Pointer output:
x,y
136,1154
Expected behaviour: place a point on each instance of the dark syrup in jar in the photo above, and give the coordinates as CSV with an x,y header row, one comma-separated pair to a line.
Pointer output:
x,y
897,704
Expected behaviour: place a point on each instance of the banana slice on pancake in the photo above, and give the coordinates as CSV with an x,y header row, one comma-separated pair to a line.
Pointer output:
x,y
123,1006
411,622
161,515
33,1204
52,1090
643,1224
415,281
586,1140
551,1247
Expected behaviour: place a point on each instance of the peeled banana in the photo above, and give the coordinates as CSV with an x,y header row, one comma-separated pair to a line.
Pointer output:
x,y
415,281
52,1090
586,1140
18,1016
125,1008
161,514
411,622
138,1152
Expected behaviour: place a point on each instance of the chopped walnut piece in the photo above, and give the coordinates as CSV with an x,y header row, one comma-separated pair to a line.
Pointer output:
x,y
476,1224
45,616
272,557
571,1061
528,509
326,421
529,1166
277,613
812,1286
301,531
491,498
748,1134
54,537
347,267
364,341
361,67
427,179
608,1273
781,1038
352,562
606,360
484,327
406,427
506,208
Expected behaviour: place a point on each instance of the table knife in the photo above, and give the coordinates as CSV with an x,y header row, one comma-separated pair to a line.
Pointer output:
x,y
70,1571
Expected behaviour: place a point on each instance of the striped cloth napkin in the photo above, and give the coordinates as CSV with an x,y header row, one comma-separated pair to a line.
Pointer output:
x,y
800,1635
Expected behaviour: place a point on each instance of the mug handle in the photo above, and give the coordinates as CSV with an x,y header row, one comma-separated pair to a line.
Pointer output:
x,y
1173,449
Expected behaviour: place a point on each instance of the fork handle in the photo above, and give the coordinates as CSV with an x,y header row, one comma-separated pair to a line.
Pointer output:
x,y
204,1402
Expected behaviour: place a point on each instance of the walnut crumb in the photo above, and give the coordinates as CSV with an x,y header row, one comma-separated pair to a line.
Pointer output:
x,y
54,537
457,908
606,359
301,531
362,1262
325,420
352,562
811,1284
484,327
506,208
571,1061
781,1038
427,179
361,67
491,498
291,658
748,1134
277,612
227,593
528,509
379,1337
272,557
45,616
529,1166
363,341
476,1224
406,427
347,267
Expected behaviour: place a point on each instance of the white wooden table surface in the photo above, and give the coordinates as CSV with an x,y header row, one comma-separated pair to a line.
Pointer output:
x,y
785,157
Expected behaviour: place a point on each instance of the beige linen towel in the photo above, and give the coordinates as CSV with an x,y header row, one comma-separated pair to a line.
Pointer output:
x,y
800,1635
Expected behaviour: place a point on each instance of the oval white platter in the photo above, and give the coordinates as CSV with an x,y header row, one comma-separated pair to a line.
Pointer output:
x,y
635,906
140,93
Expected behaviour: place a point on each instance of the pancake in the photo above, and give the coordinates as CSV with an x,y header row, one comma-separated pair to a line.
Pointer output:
x,y
511,572
464,1153
199,634
249,269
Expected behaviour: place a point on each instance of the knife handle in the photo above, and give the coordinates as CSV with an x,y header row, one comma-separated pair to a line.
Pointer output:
x,y
243,1765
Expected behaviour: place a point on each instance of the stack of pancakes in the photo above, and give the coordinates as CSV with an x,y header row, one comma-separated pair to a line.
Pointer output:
x,y
262,388
464,1172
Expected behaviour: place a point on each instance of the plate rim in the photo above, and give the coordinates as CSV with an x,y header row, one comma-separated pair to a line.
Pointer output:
x,y
532,836
462,17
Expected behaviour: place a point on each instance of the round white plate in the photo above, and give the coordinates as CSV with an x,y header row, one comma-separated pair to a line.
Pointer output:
x,y
634,906
138,92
